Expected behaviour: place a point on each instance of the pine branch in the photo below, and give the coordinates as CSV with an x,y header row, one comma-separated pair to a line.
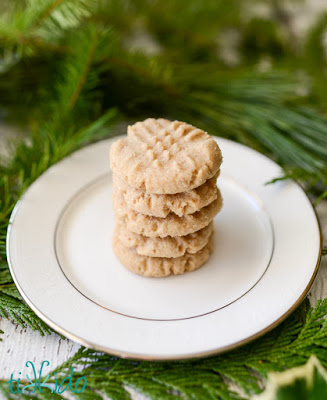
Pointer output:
x,y
260,110
308,381
75,69
82,80
47,10
12,306
261,117
20,313
29,163
58,130
41,25
289,345
315,60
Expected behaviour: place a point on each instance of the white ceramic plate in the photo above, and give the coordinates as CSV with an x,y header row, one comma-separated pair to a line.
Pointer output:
x,y
266,255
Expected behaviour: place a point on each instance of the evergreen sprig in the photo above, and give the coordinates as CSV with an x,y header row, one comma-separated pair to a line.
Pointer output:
x,y
12,306
28,163
235,375
39,26
62,123
263,110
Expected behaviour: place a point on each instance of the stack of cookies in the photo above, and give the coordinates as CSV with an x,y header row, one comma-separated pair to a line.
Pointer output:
x,y
165,197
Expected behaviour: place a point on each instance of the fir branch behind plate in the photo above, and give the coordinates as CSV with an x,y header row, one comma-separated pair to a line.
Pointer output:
x,y
289,345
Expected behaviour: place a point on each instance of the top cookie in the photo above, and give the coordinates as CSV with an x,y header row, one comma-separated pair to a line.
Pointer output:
x,y
165,157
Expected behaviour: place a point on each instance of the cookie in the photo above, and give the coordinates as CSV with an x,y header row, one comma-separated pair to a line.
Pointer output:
x,y
160,266
172,225
169,247
165,157
160,205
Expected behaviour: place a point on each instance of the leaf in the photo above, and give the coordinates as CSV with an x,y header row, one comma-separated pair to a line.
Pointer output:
x,y
19,312
308,382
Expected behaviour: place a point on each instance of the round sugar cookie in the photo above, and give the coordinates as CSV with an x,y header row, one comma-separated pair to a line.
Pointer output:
x,y
160,266
172,225
165,157
160,205
169,247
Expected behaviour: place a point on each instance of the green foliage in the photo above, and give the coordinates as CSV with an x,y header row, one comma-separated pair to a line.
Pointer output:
x,y
289,345
62,122
39,25
262,36
315,53
28,163
86,59
12,306
308,382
